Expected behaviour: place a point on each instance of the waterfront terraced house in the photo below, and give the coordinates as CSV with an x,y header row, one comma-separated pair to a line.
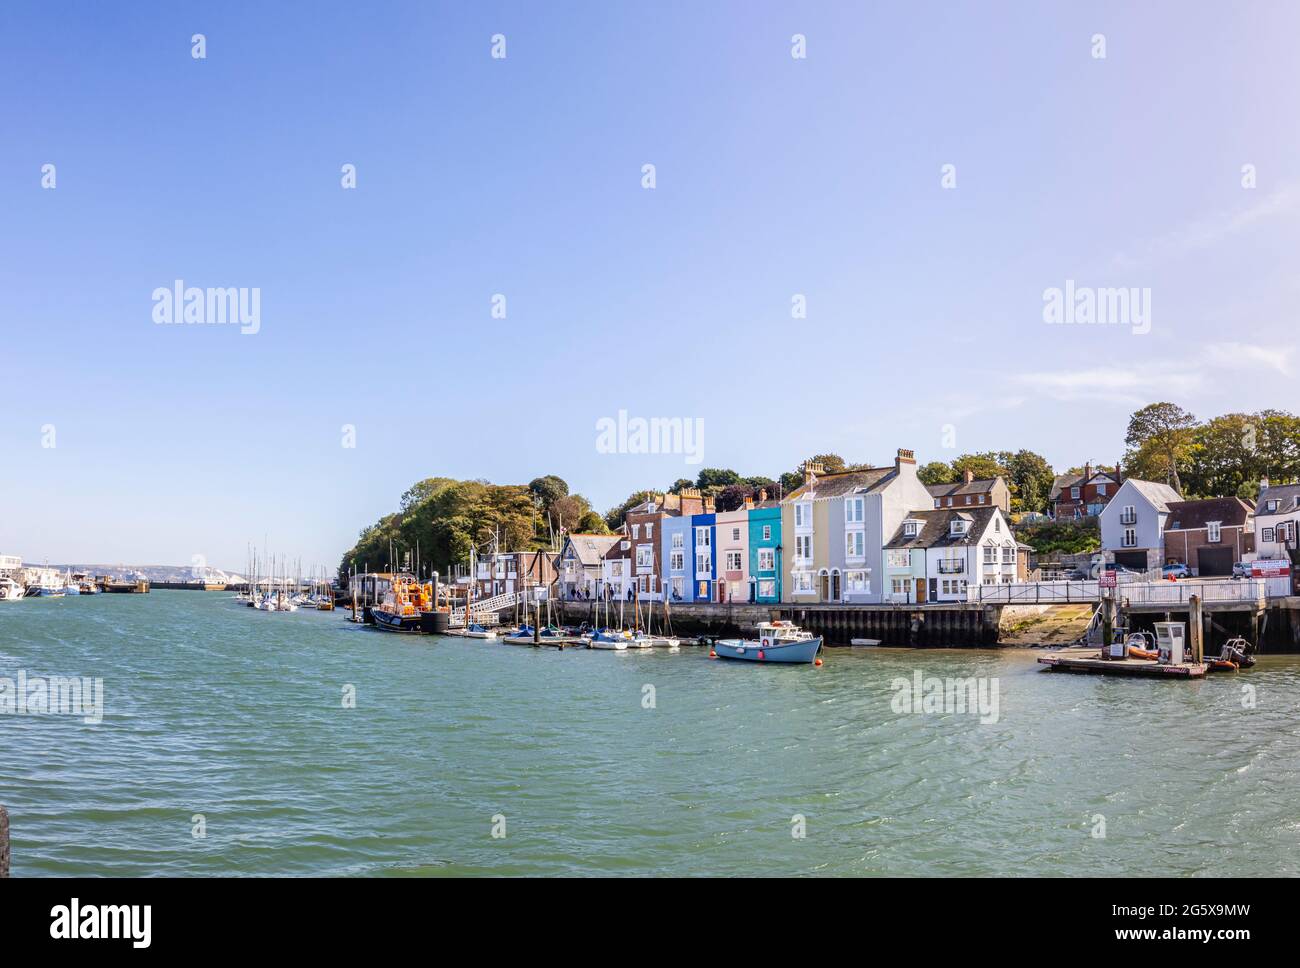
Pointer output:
x,y
581,566
1075,496
1277,522
947,550
617,576
1209,536
644,524
677,545
731,529
835,527
765,549
1133,524
968,493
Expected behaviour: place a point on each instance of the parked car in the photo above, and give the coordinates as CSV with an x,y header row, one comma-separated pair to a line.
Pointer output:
x,y
1175,571
1241,569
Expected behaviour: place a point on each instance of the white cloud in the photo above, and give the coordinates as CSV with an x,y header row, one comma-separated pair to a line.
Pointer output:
x,y
1140,384
1210,230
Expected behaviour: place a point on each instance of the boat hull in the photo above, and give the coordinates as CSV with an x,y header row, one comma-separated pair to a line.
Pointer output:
x,y
392,622
801,651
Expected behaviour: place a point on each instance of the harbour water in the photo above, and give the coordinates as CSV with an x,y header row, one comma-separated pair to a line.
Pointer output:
x,y
217,710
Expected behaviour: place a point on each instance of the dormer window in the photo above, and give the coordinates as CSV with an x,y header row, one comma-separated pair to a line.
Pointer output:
x,y
909,528
958,526
1270,506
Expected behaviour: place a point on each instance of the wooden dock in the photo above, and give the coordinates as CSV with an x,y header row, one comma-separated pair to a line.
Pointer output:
x,y
1090,660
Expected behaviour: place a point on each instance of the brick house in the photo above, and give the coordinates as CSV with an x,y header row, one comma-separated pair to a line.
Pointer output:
x,y
1210,535
970,493
1083,495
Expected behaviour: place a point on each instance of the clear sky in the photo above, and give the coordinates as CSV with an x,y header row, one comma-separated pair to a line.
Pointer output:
x,y
775,176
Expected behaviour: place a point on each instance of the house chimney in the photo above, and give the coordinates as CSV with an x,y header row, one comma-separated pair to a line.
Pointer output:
x,y
762,494
969,475
810,471
1087,473
708,505
691,502
904,458
1263,484
1118,478
749,502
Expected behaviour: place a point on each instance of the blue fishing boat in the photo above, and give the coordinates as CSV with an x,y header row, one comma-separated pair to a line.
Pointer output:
x,y
776,642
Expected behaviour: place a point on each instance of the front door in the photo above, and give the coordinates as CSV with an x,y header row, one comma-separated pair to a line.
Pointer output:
x,y
826,587
920,591
835,587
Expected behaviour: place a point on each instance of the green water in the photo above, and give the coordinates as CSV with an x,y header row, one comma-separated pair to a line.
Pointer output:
x,y
216,709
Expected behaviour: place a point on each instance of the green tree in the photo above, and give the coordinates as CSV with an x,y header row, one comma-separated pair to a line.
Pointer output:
x,y
1030,478
937,472
1160,436
713,479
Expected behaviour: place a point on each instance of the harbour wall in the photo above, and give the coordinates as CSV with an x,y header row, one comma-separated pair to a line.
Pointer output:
x,y
935,625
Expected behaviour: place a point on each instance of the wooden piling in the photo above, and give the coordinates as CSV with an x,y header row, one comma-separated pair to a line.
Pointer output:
x,y
1196,629
4,842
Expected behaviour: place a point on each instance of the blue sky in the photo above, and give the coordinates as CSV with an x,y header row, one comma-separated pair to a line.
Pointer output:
x,y
775,176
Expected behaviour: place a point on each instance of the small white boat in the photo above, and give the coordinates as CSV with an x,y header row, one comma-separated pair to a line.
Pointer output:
x,y
476,631
10,590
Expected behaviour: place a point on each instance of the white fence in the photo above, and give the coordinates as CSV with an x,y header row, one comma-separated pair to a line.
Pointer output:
x,y
1223,591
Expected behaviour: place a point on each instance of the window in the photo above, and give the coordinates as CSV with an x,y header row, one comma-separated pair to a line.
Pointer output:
x,y
1130,538
677,561
1008,556
677,540
856,583
616,569
636,530
702,564
997,524
936,502
853,511
702,537
767,532
949,502
900,558
1213,532
767,589
899,586
1074,493
909,529
733,561
679,587
1270,506
990,556
803,515
968,499
645,556
853,544
803,547
1101,490
735,534
766,559
803,582
981,499
649,529
958,526
1266,534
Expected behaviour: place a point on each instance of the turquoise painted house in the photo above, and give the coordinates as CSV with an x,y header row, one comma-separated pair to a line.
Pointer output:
x,y
765,550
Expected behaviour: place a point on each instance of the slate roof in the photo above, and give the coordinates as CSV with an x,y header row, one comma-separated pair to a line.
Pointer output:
x,y
845,482
936,529
591,548
961,487
1160,495
1286,495
1194,515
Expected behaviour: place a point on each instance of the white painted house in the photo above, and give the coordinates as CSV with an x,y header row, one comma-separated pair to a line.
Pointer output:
x,y
1277,521
960,548
1133,524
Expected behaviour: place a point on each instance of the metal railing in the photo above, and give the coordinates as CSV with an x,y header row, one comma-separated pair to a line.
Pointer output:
x,y
952,567
1222,591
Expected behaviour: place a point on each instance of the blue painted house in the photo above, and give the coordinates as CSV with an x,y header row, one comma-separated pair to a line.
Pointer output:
x,y
703,557
765,549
